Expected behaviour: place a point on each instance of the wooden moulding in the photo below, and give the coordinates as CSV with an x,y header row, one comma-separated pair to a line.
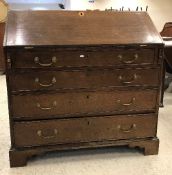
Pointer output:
x,y
19,157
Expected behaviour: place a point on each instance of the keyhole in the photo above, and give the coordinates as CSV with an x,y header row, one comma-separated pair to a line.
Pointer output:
x,y
88,122
81,13
87,96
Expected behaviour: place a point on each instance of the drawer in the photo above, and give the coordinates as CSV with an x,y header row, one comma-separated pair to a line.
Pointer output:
x,y
83,79
84,130
71,104
58,59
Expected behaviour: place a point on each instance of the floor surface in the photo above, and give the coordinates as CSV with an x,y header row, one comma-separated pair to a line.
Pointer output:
x,y
159,10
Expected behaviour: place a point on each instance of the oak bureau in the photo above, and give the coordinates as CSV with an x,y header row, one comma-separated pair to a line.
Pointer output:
x,y
81,80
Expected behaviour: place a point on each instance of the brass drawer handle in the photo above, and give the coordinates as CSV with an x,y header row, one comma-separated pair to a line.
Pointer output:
x,y
46,108
40,134
122,79
136,56
132,128
127,104
37,61
53,81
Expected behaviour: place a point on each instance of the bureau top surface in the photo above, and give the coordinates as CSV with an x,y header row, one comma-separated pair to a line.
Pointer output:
x,y
54,28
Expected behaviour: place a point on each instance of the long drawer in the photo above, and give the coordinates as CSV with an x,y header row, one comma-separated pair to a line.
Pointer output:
x,y
70,104
84,130
57,59
83,79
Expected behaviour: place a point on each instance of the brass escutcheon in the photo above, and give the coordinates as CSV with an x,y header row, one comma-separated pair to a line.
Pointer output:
x,y
81,13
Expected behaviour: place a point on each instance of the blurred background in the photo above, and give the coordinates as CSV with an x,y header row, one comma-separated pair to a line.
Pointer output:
x,y
159,10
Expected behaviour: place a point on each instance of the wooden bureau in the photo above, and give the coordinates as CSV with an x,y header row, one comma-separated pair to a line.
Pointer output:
x,y
81,80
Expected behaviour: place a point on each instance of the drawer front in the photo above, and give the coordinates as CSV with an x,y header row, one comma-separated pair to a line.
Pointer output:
x,y
57,59
83,79
83,103
84,130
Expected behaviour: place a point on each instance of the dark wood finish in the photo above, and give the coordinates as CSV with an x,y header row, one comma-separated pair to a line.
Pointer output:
x,y
75,86
167,30
83,130
2,62
166,34
20,157
84,79
162,85
151,147
71,104
42,28
82,58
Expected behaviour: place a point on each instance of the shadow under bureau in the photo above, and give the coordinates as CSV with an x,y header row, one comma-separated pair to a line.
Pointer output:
x,y
81,80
